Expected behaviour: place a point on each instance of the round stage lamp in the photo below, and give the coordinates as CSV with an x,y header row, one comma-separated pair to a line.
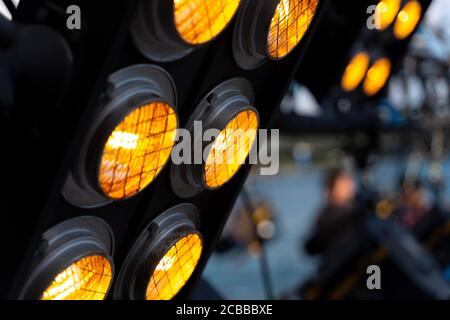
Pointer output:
x,y
387,11
137,150
288,26
76,266
355,72
164,258
86,279
408,19
130,140
377,76
168,30
227,112
175,268
231,148
271,30
200,21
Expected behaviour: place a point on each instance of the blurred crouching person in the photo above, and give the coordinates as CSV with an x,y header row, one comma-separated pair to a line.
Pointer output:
x,y
338,212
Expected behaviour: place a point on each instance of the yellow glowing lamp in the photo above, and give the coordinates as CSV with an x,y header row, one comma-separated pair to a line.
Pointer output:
x,y
175,268
377,76
387,11
271,29
408,19
200,21
288,26
355,72
163,258
167,30
86,279
130,139
230,122
137,150
76,266
230,149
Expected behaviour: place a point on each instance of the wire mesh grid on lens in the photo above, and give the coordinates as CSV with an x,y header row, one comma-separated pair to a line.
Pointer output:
x,y
200,21
230,149
87,279
289,24
137,150
175,268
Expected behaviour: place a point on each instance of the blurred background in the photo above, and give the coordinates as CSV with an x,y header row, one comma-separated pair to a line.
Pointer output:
x,y
264,249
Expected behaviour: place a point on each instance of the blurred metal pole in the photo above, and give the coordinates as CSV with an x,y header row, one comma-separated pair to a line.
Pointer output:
x,y
263,260
265,273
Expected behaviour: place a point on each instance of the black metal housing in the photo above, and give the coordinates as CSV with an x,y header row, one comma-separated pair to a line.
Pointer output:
x,y
154,242
63,245
102,46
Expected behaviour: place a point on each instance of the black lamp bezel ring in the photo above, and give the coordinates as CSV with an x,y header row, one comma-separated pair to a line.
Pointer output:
x,y
65,244
215,111
155,33
250,41
387,35
128,89
251,33
154,242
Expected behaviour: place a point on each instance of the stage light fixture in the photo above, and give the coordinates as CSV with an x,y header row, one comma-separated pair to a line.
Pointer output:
x,y
233,143
229,110
137,150
200,21
163,258
408,19
387,11
271,29
130,140
73,262
355,72
377,76
175,268
86,279
366,73
168,30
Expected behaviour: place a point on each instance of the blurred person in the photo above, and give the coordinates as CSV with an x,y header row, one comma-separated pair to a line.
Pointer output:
x,y
338,234
338,212
414,202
